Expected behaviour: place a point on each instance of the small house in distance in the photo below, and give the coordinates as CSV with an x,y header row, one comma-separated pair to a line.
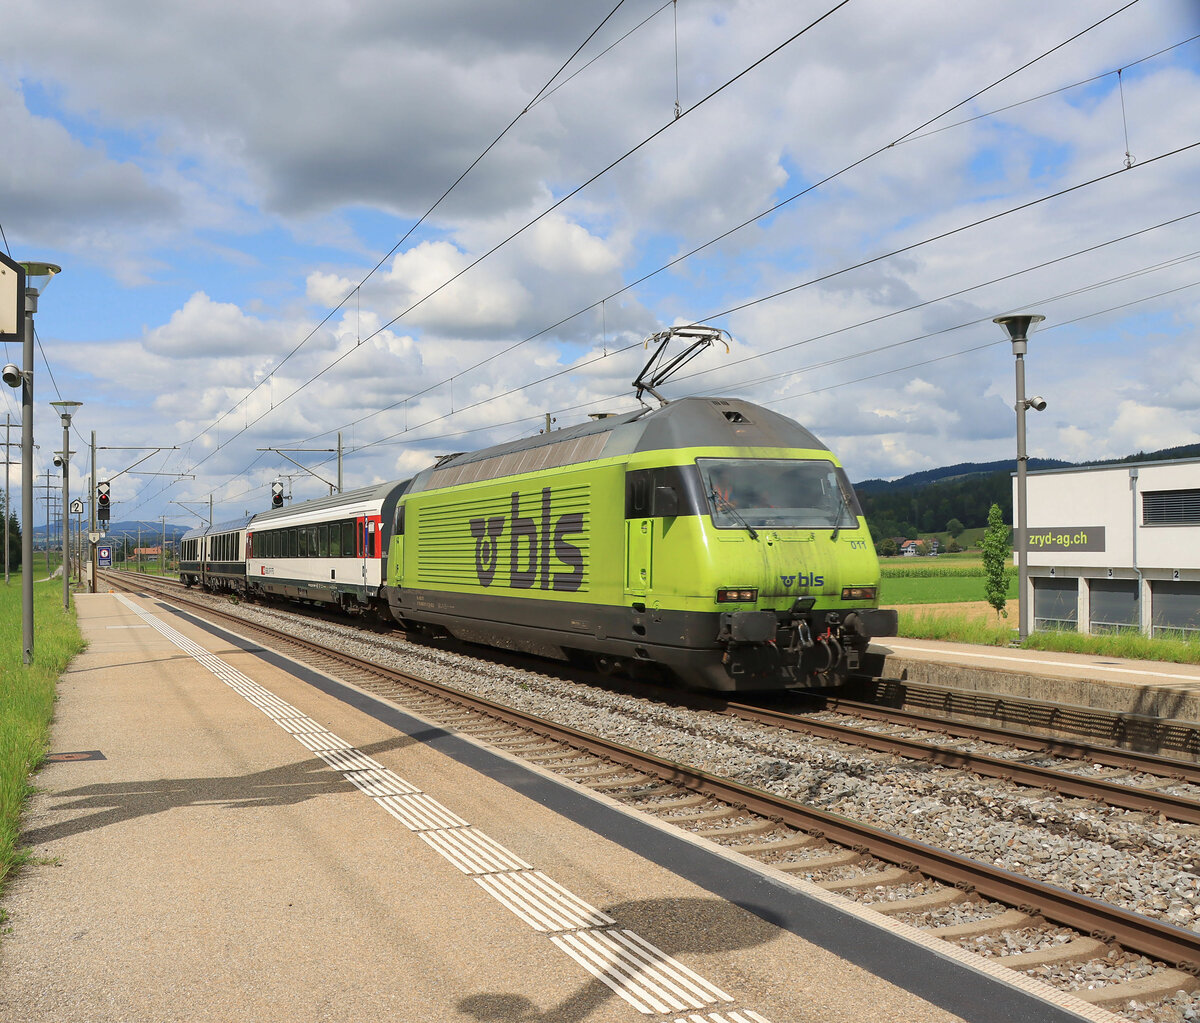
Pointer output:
x,y
1115,547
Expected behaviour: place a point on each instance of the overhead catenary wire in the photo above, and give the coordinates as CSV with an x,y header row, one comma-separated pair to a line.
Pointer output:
x,y
461,372
576,367
726,234
420,220
546,212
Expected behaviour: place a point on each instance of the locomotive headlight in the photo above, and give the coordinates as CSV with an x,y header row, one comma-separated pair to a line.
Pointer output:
x,y
737,595
859,592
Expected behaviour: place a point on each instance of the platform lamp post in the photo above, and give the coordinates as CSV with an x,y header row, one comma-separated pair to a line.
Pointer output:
x,y
35,278
1017,327
66,409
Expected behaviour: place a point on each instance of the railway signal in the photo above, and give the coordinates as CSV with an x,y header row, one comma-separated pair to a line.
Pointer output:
x,y
277,494
102,502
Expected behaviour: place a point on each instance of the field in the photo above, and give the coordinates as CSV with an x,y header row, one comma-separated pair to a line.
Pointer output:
x,y
946,579
27,694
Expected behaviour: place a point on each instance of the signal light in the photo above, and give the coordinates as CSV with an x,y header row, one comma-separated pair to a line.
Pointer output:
x,y
277,494
102,502
737,595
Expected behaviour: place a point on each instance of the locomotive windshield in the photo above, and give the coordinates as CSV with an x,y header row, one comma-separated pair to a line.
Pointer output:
x,y
780,493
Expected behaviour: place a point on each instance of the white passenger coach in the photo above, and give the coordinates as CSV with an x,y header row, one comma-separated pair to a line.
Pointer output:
x,y
329,551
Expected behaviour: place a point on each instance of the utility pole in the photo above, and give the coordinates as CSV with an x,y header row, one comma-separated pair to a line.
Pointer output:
x,y
7,501
92,517
47,486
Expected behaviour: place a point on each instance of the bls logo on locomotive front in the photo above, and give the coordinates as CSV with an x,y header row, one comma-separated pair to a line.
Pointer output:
x,y
806,579
530,547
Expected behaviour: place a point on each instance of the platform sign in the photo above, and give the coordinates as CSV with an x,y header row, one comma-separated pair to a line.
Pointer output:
x,y
104,557
12,300
77,507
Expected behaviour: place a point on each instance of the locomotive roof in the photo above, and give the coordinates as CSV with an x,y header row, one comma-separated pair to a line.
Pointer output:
x,y
685,423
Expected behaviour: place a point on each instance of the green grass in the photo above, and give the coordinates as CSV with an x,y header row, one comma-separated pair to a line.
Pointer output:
x,y
27,696
953,627
990,630
953,589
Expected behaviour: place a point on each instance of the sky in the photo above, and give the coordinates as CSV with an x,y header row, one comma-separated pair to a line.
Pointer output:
x,y
427,227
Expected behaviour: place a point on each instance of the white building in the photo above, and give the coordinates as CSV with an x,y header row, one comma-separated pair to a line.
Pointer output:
x,y
1115,547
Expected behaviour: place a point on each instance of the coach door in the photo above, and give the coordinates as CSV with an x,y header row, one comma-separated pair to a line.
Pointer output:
x,y
369,539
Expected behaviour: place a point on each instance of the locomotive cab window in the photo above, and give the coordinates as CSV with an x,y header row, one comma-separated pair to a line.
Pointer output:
x,y
780,493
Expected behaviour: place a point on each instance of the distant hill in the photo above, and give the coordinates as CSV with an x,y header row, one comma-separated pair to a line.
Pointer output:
x,y
923,502
149,530
953,472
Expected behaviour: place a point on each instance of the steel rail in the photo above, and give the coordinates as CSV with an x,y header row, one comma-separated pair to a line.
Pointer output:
x,y
1150,763
1127,797
1175,945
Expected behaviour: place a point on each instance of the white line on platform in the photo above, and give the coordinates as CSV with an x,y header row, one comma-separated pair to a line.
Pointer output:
x,y
645,976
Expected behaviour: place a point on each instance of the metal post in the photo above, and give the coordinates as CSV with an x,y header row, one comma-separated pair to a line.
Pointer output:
x,y
66,513
27,479
1017,327
92,515
7,501
1022,520
339,461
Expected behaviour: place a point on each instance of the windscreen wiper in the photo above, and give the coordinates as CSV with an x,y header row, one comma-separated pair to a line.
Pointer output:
x,y
734,513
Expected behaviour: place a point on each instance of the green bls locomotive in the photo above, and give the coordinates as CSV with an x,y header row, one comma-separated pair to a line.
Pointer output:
x,y
710,536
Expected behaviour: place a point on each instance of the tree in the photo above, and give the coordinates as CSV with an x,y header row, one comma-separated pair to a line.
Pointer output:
x,y
887,547
955,528
996,555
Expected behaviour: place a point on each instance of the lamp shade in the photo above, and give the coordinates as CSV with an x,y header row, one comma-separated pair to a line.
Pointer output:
x,y
37,275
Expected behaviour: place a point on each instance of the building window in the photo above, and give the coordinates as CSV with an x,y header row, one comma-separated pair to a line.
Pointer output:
x,y
1115,605
1175,608
1056,604
1171,508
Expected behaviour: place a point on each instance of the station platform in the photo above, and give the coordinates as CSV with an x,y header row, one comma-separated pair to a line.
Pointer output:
x,y
1154,689
224,834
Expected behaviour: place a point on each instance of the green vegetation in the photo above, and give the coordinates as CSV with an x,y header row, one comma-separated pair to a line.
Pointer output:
x,y
954,627
996,556
1179,648
964,627
27,697
938,589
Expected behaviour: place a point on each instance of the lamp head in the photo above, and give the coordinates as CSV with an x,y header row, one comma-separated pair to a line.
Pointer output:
x,y
37,275
1017,326
1037,403
12,375
66,409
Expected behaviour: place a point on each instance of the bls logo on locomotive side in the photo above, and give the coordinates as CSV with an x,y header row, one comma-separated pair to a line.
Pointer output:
x,y
530,547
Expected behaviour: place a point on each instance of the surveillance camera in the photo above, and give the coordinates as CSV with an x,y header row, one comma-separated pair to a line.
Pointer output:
x,y
1037,403
12,375
58,461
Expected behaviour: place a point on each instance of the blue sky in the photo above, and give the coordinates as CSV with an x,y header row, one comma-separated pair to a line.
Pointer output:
x,y
212,195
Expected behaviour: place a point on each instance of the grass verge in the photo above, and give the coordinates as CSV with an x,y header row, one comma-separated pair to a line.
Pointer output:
x,y
27,698
986,629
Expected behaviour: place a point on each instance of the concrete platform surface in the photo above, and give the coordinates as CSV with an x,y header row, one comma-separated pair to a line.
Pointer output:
x,y
237,840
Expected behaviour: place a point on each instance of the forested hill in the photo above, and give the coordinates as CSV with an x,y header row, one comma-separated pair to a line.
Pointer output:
x,y
923,502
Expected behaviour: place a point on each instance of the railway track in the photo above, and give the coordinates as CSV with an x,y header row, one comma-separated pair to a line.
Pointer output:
x,y
898,876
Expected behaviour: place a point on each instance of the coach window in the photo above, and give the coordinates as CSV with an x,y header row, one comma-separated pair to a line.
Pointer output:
x,y
335,539
323,541
313,549
302,536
